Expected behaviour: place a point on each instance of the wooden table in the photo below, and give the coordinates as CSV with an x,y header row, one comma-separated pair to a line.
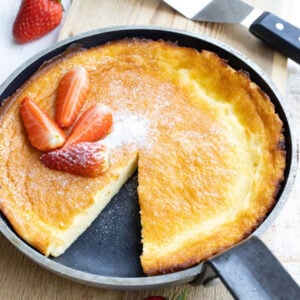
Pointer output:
x,y
20,278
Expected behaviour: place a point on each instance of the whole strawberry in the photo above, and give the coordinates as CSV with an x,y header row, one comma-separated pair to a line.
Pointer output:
x,y
36,18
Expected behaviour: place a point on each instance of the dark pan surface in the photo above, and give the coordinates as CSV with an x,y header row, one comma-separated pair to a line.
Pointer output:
x,y
107,254
111,245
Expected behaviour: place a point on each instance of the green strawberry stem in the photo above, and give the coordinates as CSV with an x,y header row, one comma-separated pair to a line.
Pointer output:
x,y
181,296
59,1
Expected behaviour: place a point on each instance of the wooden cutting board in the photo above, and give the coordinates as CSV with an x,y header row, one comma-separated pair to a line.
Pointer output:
x,y
24,279
85,15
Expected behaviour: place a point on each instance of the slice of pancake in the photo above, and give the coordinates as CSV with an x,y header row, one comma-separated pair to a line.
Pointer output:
x,y
214,173
208,141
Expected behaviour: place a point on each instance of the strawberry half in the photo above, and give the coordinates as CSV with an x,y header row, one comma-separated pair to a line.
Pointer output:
x,y
86,159
36,18
94,124
42,131
71,93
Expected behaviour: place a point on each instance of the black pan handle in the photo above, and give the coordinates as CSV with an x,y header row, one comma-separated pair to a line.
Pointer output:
x,y
279,34
251,271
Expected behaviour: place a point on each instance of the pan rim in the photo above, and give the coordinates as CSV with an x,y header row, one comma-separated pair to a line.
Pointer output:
x,y
133,283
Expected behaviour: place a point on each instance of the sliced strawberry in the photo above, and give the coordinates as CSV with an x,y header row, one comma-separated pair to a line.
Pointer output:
x,y
87,159
71,93
42,131
94,124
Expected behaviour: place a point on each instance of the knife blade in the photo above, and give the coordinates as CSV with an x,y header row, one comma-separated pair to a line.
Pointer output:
x,y
276,32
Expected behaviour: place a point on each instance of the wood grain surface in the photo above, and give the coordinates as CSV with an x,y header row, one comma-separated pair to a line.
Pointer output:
x,y
20,278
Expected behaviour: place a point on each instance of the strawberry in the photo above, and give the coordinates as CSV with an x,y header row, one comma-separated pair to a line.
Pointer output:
x,y
71,93
36,18
42,131
93,125
87,159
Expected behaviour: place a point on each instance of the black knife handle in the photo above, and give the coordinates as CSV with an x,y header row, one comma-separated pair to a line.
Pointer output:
x,y
279,34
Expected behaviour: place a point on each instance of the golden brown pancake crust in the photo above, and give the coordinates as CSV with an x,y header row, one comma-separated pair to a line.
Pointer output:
x,y
209,144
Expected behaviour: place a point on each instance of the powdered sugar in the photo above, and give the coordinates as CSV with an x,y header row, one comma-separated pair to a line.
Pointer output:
x,y
128,129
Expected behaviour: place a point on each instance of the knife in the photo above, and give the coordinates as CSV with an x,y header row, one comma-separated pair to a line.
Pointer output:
x,y
276,32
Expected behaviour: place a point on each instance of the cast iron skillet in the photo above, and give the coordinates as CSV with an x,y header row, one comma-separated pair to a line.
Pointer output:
x,y
107,254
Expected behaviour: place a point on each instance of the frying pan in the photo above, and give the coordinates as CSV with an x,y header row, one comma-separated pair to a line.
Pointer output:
x,y
107,254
